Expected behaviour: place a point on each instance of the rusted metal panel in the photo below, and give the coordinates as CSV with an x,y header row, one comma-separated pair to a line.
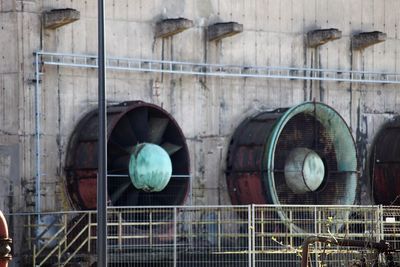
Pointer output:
x,y
246,152
249,158
88,192
387,183
246,188
385,164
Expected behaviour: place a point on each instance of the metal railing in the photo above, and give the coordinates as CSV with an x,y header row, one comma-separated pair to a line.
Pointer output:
x,y
218,70
251,235
391,226
61,240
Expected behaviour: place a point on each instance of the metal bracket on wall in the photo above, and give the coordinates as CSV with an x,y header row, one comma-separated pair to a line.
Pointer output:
x,y
219,70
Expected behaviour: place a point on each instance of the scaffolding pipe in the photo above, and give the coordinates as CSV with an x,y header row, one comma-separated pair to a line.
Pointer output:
x,y
378,246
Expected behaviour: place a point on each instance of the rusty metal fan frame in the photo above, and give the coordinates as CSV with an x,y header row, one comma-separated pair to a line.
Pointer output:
x,y
384,164
128,124
261,144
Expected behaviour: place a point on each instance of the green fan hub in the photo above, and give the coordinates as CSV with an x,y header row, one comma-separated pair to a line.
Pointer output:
x,y
150,167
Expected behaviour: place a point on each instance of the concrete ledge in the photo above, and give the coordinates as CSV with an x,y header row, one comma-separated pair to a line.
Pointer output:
x,y
168,27
221,30
319,37
59,17
365,39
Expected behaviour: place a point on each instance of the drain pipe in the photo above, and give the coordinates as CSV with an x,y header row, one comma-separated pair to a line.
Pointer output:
x,y
5,242
382,246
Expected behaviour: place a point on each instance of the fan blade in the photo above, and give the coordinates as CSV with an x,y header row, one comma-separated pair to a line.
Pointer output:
x,y
171,148
157,128
139,123
129,149
123,134
132,198
115,150
121,163
122,171
147,198
120,191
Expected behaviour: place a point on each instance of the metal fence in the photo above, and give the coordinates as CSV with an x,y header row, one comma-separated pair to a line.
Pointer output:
x,y
391,226
253,235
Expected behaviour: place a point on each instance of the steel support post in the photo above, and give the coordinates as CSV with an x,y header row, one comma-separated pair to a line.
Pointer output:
x,y
102,147
38,113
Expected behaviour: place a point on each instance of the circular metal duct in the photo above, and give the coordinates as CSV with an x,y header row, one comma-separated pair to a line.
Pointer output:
x,y
302,155
385,164
136,132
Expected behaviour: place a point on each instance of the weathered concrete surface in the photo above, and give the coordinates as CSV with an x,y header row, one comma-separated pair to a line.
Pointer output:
x,y
222,30
169,27
319,37
10,178
365,39
208,109
56,18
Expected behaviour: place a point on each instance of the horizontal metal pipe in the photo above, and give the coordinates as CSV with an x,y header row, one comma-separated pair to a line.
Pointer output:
x,y
219,70
378,246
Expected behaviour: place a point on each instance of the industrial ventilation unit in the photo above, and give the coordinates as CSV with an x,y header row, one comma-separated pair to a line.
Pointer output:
x,y
301,155
385,164
145,147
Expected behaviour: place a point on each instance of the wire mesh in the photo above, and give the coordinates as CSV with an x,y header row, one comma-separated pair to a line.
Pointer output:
x,y
390,223
281,230
253,235
179,236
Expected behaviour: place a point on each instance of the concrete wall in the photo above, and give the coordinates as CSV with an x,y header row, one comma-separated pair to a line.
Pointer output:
x,y
20,36
207,109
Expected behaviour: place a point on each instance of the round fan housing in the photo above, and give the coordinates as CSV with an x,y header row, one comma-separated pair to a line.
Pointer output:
x,y
302,155
144,147
384,164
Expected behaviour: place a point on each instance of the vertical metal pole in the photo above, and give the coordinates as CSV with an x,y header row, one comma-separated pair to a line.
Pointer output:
x,y
37,135
316,233
253,235
382,222
38,173
89,231
249,234
102,147
219,230
190,190
175,236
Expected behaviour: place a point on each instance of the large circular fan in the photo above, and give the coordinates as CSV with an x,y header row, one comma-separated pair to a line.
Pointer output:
x,y
145,145
302,155
385,164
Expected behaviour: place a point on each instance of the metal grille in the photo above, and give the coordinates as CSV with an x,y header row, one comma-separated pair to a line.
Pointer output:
x,y
252,235
180,236
391,225
304,130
